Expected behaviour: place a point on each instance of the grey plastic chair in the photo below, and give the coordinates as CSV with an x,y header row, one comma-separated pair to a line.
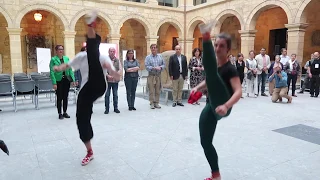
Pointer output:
x,y
23,87
6,90
44,86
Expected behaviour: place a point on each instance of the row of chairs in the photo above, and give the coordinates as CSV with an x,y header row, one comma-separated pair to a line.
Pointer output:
x,y
32,84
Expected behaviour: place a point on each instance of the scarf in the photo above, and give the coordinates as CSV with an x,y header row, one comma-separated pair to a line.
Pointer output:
x,y
291,64
293,67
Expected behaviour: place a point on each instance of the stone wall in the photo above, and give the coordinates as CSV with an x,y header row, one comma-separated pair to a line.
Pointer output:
x,y
231,25
4,46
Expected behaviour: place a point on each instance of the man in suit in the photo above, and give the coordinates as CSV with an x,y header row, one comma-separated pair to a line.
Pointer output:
x,y
178,72
264,64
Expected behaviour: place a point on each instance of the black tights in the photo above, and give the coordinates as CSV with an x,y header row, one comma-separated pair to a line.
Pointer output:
x,y
62,93
207,126
91,91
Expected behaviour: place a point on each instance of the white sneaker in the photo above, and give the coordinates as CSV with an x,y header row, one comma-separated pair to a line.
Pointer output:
x,y
206,27
91,17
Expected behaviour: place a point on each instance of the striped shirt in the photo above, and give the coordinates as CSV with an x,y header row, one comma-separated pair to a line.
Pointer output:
x,y
154,61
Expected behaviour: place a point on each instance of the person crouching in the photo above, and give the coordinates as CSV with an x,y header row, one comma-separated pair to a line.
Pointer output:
x,y
281,86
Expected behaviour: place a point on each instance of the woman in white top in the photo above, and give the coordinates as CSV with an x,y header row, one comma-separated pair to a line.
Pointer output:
x,y
93,67
252,77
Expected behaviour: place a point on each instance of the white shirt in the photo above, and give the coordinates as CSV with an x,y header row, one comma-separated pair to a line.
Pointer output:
x,y
81,62
179,58
284,59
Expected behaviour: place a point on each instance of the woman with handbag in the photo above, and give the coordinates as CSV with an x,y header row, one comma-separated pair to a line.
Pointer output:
x,y
252,78
61,80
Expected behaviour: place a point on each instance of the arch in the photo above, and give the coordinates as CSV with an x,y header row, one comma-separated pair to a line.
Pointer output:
x,y
254,14
302,6
192,25
6,16
223,16
141,19
83,12
45,7
171,21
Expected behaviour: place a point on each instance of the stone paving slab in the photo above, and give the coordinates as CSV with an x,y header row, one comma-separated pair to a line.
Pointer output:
x,y
160,144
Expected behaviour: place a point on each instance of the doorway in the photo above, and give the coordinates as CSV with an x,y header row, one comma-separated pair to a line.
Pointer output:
x,y
277,41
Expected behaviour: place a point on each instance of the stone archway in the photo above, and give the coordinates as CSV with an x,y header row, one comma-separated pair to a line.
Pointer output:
x,y
269,22
44,7
311,40
47,34
255,13
221,17
101,15
194,33
5,61
6,16
102,28
176,24
142,20
232,25
133,36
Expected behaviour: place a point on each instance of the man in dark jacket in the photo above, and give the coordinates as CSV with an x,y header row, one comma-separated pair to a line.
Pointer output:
x,y
178,72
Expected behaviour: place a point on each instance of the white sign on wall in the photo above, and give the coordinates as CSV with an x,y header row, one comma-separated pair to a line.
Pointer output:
x,y
43,59
124,56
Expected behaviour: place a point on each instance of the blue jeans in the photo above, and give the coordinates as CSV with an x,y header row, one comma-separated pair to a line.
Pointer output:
x,y
262,82
131,86
114,87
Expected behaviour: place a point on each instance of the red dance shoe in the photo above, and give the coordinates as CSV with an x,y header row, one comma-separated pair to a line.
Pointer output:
x,y
194,97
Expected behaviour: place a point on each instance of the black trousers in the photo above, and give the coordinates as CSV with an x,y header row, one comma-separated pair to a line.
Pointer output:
x,y
91,91
131,87
314,85
292,78
62,93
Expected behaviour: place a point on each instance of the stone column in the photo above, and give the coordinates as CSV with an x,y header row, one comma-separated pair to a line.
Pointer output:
x,y
15,49
115,39
151,40
181,43
152,2
295,40
69,48
188,48
247,41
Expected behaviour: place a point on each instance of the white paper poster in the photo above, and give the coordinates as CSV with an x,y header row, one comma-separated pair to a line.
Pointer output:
x,y
43,59
104,49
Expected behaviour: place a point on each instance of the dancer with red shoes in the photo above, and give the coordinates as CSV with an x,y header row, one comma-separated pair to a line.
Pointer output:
x,y
93,68
224,90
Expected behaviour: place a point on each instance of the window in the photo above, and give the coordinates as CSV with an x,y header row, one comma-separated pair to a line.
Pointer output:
x,y
197,2
170,3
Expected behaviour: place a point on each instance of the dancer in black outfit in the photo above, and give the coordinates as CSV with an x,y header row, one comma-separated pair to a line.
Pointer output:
x,y
93,72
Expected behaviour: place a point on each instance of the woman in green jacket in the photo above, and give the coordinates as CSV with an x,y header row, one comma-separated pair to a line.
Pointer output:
x,y
61,80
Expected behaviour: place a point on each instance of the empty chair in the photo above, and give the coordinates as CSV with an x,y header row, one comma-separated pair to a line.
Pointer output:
x,y
43,86
23,87
20,74
4,78
6,89
46,74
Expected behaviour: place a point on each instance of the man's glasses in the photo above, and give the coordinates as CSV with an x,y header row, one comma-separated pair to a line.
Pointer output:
x,y
60,49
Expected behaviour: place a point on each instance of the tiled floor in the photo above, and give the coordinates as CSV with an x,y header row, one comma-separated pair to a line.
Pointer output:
x,y
162,144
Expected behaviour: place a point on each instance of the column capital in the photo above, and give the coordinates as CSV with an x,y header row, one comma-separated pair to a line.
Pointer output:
x,y
152,37
69,34
189,40
114,36
297,27
14,31
247,33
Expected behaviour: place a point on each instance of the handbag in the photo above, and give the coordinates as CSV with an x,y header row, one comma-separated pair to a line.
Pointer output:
x,y
249,75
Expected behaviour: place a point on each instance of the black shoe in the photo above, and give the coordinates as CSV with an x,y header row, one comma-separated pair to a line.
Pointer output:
x,y
130,109
4,147
311,95
316,96
174,104
264,94
301,92
116,111
180,104
60,116
106,112
133,108
66,115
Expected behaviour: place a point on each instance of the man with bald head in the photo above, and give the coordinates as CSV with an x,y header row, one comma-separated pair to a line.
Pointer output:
x,y
178,72
314,74
113,83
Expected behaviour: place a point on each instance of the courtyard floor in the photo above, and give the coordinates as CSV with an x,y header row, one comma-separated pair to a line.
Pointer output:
x,y
260,140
